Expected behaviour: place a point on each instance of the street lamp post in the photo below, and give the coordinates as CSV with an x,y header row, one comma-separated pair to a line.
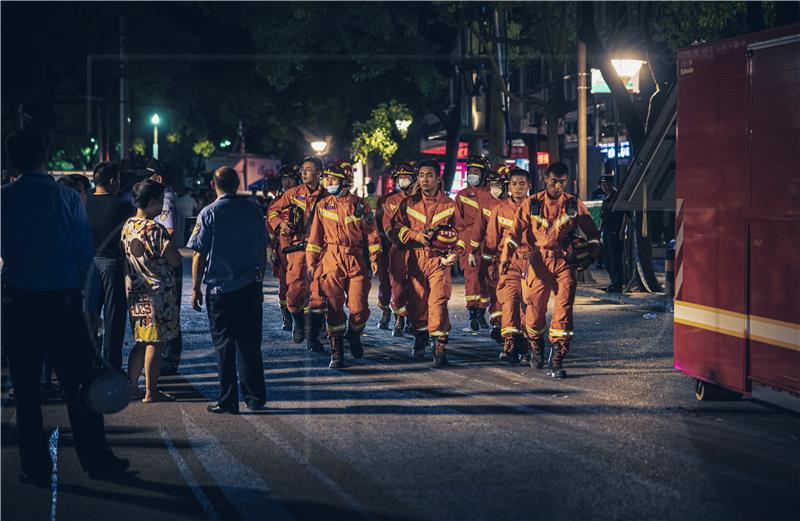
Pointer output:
x,y
155,120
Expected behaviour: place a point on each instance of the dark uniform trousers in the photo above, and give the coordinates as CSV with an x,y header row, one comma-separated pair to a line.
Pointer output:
x,y
612,257
115,308
236,325
38,324
172,351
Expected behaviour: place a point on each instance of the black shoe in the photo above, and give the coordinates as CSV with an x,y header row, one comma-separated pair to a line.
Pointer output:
x,y
509,352
354,340
299,331
337,352
399,324
386,315
440,352
421,339
39,480
108,467
537,353
481,314
496,336
313,327
255,406
556,370
217,408
474,324
287,319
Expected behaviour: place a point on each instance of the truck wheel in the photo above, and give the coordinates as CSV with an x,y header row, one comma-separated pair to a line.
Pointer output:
x,y
708,392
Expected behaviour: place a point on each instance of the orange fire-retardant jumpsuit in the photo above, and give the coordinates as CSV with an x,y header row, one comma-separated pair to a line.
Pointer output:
x,y
468,205
336,240
300,295
548,234
398,257
384,284
279,267
430,283
511,292
487,272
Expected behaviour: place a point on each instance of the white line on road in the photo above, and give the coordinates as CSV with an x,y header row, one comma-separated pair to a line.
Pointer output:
x,y
54,476
188,476
244,488
303,460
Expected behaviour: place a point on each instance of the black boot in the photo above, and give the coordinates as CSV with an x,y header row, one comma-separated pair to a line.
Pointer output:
x,y
496,335
523,348
299,331
420,341
440,351
474,324
399,322
354,339
509,352
386,315
481,314
287,319
313,327
537,353
337,352
556,371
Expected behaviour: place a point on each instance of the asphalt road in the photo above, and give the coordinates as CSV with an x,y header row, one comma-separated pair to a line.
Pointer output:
x,y
386,438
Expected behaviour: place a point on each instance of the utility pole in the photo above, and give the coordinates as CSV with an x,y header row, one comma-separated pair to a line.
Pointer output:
x,y
583,187
123,92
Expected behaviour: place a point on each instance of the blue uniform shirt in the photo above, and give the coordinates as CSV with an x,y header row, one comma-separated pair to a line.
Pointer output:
x,y
231,233
47,240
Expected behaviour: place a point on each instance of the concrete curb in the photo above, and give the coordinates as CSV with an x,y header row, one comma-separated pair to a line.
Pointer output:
x,y
655,301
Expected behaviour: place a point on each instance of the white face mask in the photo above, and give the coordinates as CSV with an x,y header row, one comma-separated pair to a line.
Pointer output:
x,y
496,192
473,179
333,189
403,183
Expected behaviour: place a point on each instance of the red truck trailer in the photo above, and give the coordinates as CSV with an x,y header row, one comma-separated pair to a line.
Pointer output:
x,y
737,185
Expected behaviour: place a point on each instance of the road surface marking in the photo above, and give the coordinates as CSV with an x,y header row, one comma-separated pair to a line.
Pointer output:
x,y
244,488
54,476
188,476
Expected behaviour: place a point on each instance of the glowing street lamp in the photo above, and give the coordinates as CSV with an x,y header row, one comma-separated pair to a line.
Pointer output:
x,y
155,120
627,68
402,125
319,146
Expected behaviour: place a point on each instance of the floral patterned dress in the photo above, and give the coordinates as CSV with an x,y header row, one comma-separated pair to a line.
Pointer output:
x,y
150,282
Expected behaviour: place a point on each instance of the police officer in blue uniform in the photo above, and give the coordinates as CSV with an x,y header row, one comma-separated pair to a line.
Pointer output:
x,y
230,244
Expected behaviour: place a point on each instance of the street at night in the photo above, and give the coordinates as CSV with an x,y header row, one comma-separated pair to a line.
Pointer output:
x,y
379,260
387,438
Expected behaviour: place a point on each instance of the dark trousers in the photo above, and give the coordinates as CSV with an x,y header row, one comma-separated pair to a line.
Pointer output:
x,y
612,257
36,324
235,320
115,308
172,351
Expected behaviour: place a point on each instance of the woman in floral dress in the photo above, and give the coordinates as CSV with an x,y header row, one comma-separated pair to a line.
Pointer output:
x,y
150,284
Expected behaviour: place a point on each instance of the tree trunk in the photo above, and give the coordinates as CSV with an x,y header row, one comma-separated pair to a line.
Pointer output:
x,y
553,148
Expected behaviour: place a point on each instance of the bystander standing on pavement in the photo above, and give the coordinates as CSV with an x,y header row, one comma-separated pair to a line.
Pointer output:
x,y
150,284
107,214
47,255
611,229
229,243
169,218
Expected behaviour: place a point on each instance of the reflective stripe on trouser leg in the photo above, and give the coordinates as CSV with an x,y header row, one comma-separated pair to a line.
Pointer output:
x,y
472,284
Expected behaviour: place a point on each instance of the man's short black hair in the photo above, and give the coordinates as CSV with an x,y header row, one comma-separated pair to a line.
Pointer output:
x,y
520,172
104,172
226,179
77,182
145,191
431,163
315,160
158,167
26,150
557,169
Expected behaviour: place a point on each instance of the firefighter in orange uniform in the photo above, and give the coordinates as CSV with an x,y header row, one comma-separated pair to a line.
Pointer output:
x,y
342,224
299,203
289,179
426,222
468,205
496,181
384,284
510,288
396,269
548,221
